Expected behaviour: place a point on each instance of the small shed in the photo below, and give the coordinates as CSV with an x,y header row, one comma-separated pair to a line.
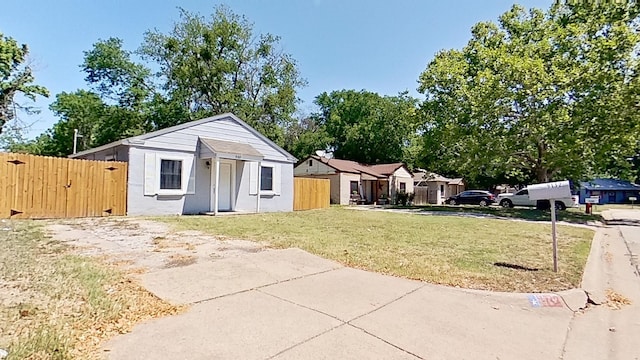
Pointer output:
x,y
432,188
610,191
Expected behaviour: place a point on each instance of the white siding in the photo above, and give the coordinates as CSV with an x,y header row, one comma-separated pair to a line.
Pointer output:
x,y
139,204
200,201
437,192
183,143
313,167
224,129
205,153
247,203
345,186
402,175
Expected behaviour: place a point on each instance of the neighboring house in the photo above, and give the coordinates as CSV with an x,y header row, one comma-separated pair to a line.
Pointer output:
x,y
351,180
610,191
176,170
437,187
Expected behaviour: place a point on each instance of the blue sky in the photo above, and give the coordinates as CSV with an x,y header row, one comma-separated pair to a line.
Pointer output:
x,y
376,45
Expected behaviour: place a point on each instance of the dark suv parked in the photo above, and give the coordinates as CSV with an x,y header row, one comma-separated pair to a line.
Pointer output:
x,y
475,197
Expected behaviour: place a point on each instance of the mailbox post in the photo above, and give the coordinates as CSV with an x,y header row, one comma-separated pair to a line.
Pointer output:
x,y
551,191
590,202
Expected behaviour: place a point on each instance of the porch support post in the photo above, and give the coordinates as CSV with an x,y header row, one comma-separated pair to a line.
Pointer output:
x,y
216,190
259,184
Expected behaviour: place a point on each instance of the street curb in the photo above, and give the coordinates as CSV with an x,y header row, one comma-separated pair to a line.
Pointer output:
x,y
593,278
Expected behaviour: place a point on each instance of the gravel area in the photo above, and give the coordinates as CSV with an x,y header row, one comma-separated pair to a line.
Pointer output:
x,y
140,245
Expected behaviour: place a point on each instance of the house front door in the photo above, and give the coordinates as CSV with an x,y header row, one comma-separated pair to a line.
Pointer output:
x,y
225,186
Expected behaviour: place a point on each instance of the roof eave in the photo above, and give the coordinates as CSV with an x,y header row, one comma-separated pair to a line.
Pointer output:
x,y
232,156
131,140
99,148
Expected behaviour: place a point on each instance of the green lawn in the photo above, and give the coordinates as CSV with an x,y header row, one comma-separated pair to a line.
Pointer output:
x,y
571,215
449,250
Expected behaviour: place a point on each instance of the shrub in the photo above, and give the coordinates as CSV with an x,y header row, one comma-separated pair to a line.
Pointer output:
x,y
404,198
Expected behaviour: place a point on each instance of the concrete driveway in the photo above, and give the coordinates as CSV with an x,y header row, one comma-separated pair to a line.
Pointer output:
x,y
289,304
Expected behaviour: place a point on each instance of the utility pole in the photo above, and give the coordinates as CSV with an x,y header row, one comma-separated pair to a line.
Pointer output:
x,y
75,140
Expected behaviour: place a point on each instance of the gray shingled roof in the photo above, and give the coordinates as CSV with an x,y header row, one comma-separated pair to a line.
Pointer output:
x,y
229,147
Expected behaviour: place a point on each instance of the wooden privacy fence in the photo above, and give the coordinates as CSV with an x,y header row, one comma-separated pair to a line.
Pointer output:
x,y
420,195
309,193
48,187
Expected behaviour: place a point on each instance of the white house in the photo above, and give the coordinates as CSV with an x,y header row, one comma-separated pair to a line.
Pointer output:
x,y
205,166
351,180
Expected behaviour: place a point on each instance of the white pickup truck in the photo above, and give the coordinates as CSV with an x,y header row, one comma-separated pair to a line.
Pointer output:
x,y
521,198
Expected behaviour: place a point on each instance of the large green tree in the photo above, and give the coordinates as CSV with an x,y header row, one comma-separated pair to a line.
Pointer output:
x,y
111,72
305,136
16,78
117,106
366,127
204,67
82,110
218,64
538,96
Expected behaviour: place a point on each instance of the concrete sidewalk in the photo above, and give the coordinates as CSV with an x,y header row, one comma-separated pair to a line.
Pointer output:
x,y
288,304
612,330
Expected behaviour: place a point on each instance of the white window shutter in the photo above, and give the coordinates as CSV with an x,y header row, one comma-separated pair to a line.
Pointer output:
x,y
150,174
277,179
254,172
191,164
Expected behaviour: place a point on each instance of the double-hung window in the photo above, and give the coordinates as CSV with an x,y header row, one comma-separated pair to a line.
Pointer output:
x,y
353,187
170,174
266,178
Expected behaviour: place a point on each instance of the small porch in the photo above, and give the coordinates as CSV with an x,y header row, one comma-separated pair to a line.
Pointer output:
x,y
374,190
223,159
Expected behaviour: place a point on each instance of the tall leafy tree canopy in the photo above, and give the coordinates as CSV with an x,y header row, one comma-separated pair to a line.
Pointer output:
x,y
119,104
538,96
204,67
219,65
16,77
366,127
305,136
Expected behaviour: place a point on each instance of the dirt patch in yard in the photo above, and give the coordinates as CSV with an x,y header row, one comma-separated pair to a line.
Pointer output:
x,y
67,285
139,245
55,304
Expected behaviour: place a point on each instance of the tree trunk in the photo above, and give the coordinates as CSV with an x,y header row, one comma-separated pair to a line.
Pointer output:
x,y
543,174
